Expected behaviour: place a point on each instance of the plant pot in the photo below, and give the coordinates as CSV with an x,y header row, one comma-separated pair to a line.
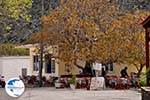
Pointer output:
x,y
58,85
72,86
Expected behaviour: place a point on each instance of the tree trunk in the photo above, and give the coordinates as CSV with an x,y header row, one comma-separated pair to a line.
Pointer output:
x,y
140,70
85,70
41,48
80,67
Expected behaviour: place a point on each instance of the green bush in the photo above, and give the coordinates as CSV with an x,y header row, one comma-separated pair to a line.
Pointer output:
x,y
10,50
73,80
143,77
143,81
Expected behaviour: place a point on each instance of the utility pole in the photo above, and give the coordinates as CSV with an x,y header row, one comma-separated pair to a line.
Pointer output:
x,y
41,47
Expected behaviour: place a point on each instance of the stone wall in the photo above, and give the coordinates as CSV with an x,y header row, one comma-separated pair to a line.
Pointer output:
x,y
145,93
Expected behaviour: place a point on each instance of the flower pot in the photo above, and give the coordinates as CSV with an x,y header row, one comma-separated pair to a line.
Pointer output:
x,y
72,86
58,85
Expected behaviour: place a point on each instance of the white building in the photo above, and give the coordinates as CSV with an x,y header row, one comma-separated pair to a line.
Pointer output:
x,y
13,66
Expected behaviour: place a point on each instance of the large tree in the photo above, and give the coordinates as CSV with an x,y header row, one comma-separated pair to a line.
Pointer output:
x,y
127,44
96,31
74,29
77,27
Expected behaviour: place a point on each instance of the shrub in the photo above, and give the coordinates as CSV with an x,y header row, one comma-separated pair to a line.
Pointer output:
x,y
143,80
73,80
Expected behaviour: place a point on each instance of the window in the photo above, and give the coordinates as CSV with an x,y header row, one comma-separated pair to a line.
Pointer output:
x,y
36,63
49,64
109,67
53,66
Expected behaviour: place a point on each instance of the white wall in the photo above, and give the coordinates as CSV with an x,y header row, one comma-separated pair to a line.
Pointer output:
x,y
12,66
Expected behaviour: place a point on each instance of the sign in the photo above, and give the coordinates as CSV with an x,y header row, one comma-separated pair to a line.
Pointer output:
x,y
14,87
97,83
97,66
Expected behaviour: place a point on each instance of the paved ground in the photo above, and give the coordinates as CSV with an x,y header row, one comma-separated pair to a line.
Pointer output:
x,y
67,94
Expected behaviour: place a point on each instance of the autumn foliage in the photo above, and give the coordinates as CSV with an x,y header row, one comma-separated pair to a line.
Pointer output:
x,y
96,30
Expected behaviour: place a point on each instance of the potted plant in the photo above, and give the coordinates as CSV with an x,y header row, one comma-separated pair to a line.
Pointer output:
x,y
58,83
73,82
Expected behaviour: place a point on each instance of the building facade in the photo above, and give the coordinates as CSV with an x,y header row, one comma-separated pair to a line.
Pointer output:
x,y
52,66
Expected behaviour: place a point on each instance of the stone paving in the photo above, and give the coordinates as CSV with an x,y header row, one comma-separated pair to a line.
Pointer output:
x,y
67,94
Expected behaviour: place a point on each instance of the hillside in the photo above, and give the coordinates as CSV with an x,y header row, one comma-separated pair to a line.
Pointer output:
x,y
21,30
